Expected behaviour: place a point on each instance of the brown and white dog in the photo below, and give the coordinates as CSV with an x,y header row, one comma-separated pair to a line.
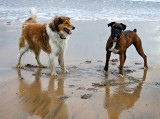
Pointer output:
x,y
51,38
119,41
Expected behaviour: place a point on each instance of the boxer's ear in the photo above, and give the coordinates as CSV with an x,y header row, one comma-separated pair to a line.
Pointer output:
x,y
123,26
110,24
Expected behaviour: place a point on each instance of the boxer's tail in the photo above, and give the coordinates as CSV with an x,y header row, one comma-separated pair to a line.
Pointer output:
x,y
135,30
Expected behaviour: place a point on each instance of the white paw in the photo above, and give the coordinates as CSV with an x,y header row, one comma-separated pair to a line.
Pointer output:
x,y
54,74
120,75
65,71
18,66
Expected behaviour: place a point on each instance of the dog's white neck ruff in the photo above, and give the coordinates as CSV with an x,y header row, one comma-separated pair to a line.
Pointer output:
x,y
113,49
57,44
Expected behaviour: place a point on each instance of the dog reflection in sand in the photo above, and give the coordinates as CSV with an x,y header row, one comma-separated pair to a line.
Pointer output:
x,y
118,102
51,38
42,103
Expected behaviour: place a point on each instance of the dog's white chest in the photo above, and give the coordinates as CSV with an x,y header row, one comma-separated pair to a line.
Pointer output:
x,y
113,49
57,44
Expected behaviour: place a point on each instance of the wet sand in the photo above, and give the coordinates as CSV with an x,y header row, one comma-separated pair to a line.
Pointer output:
x,y
87,91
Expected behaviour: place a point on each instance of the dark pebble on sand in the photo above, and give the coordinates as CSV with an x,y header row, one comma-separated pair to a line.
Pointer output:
x,y
29,65
81,88
92,89
88,62
137,63
98,84
86,96
71,86
74,67
129,71
99,61
63,97
114,60
156,83
8,23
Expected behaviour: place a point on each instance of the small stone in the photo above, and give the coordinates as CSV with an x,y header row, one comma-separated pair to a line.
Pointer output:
x,y
88,62
114,60
63,97
86,96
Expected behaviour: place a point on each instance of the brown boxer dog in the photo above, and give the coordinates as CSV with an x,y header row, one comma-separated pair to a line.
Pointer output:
x,y
118,43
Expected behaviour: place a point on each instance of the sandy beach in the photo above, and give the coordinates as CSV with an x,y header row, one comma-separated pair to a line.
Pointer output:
x,y
87,92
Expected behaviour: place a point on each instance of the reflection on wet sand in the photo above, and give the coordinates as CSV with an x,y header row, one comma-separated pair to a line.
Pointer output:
x,y
122,100
42,103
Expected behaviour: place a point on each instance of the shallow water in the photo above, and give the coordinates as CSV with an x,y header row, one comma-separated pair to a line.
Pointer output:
x,y
31,92
132,10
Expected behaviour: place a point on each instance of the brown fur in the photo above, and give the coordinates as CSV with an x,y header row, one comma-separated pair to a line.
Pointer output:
x,y
59,23
35,37
126,39
36,34
31,20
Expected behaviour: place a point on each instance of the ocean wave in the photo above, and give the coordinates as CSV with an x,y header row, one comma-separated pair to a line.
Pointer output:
x,y
146,0
112,10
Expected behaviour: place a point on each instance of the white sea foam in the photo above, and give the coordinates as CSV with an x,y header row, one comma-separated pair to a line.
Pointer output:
x,y
112,10
146,0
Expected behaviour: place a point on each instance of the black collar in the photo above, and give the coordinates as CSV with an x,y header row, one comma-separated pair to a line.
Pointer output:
x,y
61,36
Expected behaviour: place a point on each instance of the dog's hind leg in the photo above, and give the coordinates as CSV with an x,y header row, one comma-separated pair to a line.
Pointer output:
x,y
138,46
37,56
23,47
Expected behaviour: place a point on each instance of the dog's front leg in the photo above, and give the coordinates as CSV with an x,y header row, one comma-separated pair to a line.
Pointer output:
x,y
108,54
61,62
121,58
51,64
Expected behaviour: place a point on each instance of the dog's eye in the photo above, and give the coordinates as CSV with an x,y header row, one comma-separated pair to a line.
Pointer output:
x,y
66,22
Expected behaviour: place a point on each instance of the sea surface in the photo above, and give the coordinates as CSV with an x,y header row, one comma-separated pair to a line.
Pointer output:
x,y
131,10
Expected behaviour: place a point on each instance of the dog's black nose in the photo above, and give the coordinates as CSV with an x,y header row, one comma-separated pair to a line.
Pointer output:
x,y
73,28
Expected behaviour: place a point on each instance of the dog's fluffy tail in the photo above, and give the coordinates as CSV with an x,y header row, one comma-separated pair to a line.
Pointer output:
x,y
33,12
135,30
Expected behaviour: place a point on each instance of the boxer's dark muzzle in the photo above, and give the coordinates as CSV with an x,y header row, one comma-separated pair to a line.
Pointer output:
x,y
116,33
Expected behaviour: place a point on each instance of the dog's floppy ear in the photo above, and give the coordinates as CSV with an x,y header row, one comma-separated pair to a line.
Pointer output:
x,y
110,24
123,26
56,22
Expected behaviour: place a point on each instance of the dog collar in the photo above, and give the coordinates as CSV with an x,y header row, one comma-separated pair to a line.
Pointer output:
x,y
61,36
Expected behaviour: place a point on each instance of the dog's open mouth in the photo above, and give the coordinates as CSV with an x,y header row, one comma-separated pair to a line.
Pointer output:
x,y
67,31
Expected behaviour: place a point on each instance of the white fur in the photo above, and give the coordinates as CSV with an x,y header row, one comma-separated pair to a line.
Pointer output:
x,y
58,47
33,12
113,49
21,52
